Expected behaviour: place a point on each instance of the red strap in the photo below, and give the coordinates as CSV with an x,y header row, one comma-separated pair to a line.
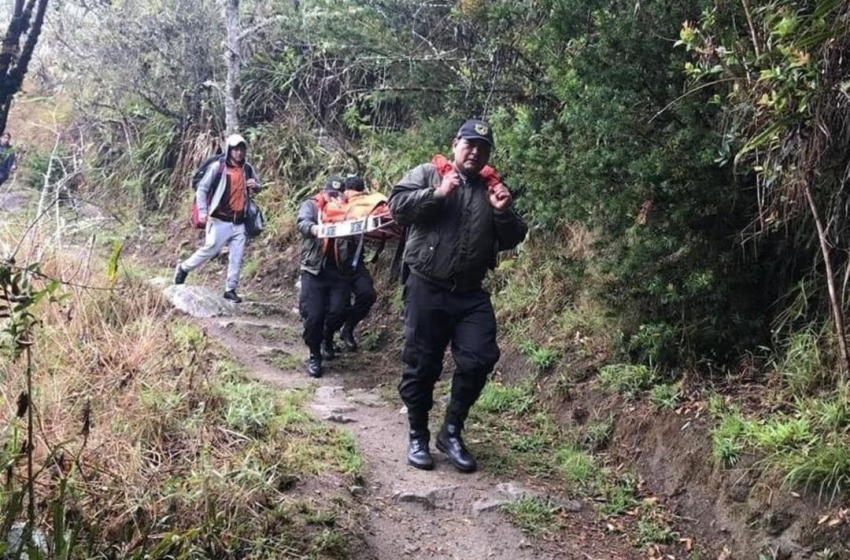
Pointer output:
x,y
444,166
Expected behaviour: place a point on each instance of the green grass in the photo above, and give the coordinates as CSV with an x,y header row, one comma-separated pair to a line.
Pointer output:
x,y
597,433
666,396
627,379
810,447
651,531
620,495
780,434
728,439
802,364
510,399
250,409
825,467
533,515
250,267
284,360
543,358
577,467
370,340
527,443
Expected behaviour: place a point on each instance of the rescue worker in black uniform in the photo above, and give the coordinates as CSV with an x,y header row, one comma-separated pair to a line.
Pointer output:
x,y
456,227
362,286
325,280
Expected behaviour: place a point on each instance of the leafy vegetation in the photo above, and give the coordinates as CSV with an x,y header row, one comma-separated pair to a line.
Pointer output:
x,y
627,379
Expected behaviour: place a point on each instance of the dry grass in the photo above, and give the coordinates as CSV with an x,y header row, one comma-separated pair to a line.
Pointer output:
x,y
166,448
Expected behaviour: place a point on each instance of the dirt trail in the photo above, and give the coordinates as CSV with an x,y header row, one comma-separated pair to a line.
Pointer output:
x,y
413,514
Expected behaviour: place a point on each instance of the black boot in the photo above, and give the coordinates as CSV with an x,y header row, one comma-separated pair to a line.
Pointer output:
x,y
450,443
314,365
231,295
180,275
328,349
346,335
418,452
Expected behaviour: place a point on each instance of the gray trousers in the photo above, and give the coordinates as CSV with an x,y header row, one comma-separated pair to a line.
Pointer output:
x,y
219,234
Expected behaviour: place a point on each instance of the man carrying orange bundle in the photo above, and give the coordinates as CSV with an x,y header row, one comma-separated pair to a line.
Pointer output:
x,y
458,220
325,278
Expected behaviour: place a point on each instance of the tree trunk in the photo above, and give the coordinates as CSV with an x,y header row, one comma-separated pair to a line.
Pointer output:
x,y
834,299
234,62
14,60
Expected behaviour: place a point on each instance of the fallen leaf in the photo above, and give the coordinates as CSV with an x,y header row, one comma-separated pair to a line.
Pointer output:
x,y
652,500
689,544
833,522
823,520
725,554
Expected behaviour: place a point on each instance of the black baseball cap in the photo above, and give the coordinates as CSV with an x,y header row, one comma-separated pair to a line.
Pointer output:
x,y
474,129
354,183
334,184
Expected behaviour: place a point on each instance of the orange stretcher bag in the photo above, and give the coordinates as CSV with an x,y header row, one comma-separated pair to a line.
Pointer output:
x,y
357,213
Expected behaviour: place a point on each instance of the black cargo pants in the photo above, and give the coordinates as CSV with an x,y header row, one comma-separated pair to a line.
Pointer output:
x,y
363,290
323,305
433,318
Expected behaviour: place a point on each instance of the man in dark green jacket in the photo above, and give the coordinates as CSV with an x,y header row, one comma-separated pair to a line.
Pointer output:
x,y
456,227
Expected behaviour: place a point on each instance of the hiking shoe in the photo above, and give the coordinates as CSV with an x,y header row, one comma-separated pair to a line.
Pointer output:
x,y
180,275
314,366
450,443
418,453
328,349
347,338
231,295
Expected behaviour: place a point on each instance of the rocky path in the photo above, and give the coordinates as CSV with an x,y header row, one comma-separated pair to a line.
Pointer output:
x,y
413,514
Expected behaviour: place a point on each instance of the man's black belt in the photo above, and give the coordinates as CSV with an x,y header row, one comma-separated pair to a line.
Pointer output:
x,y
238,220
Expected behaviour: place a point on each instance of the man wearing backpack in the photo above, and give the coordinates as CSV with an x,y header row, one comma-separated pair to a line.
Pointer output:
x,y
325,279
362,286
457,223
222,198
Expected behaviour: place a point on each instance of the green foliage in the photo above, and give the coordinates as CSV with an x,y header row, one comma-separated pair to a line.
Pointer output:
x,y
802,364
597,433
498,398
533,515
620,496
250,407
370,340
728,439
825,466
627,379
666,395
650,531
36,165
578,468
543,358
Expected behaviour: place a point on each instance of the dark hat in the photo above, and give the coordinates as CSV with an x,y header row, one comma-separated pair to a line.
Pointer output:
x,y
334,184
354,183
474,129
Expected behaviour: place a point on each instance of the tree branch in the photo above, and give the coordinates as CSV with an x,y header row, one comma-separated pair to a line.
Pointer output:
x,y
261,25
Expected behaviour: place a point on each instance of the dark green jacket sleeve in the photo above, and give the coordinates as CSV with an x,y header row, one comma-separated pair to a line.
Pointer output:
x,y
412,200
510,229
